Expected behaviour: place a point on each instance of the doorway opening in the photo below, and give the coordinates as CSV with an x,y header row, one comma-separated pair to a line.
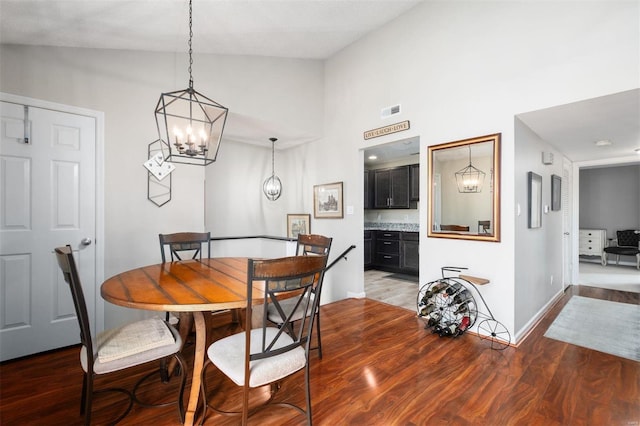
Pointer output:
x,y
391,222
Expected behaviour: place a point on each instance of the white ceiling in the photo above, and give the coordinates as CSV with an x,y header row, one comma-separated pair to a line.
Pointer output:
x,y
575,128
312,29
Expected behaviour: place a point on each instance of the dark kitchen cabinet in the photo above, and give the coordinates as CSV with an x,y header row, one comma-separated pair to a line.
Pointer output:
x,y
391,188
392,251
387,250
409,252
414,182
368,249
368,189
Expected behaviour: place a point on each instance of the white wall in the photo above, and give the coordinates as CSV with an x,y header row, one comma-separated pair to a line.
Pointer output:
x,y
459,69
464,69
538,260
126,85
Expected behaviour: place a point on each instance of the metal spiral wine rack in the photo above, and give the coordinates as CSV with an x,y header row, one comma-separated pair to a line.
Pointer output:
x,y
448,307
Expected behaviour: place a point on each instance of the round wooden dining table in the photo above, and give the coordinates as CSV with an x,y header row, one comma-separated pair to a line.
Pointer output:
x,y
185,286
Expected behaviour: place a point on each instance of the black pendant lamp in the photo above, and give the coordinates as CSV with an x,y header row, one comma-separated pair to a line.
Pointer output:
x,y
189,123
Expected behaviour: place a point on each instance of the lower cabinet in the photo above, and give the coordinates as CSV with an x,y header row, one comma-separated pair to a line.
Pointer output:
x,y
368,249
388,250
409,258
392,251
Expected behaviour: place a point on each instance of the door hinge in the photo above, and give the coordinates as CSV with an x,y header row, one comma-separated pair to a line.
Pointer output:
x,y
26,124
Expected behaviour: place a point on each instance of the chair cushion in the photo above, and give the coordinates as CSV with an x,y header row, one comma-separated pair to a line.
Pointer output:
x,y
622,251
133,344
287,306
228,355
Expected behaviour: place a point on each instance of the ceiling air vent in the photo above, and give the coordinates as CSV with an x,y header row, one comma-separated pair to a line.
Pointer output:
x,y
389,111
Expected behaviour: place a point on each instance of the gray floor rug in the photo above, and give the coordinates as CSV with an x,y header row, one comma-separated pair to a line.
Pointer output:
x,y
403,277
601,325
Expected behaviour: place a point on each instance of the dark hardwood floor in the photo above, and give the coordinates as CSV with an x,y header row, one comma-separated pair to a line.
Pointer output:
x,y
380,367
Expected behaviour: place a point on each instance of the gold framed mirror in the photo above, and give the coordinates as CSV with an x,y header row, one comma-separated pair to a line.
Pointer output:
x,y
464,189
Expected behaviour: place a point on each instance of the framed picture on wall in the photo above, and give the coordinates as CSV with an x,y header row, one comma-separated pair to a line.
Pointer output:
x,y
327,201
556,192
298,224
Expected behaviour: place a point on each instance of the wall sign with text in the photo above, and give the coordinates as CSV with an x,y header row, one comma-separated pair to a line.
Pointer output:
x,y
387,130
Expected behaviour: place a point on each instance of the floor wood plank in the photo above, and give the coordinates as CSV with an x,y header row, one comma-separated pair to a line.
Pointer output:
x,y
380,367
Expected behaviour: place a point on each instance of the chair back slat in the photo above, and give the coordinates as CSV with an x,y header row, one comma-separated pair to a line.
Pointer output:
x,y
69,270
312,244
283,279
185,241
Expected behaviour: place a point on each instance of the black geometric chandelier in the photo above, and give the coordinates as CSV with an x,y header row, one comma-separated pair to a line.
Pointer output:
x,y
189,123
469,179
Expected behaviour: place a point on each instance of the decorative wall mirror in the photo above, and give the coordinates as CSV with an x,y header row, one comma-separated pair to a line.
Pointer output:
x,y
464,195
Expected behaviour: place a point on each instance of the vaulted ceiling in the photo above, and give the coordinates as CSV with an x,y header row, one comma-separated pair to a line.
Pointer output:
x,y
311,29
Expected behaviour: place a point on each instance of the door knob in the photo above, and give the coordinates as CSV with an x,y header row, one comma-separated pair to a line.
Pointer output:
x,y
86,241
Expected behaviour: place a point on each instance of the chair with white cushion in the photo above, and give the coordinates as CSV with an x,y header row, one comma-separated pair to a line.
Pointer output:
x,y
118,349
307,245
266,355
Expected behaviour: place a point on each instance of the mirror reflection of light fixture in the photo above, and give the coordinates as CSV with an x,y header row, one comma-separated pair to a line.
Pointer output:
x,y
469,179
272,187
189,123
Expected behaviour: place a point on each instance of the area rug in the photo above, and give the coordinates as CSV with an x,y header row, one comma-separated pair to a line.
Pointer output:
x,y
403,277
601,325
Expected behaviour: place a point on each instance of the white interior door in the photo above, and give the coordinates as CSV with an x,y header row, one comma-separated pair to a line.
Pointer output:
x,y
47,199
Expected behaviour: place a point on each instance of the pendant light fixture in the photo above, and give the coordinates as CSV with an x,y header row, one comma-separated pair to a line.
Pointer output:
x,y
469,179
189,123
272,187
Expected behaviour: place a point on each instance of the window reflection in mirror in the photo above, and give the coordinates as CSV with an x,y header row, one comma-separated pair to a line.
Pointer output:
x,y
464,196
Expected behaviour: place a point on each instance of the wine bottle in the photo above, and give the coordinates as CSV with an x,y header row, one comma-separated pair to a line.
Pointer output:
x,y
461,297
464,324
453,289
435,289
462,308
448,330
432,319
426,310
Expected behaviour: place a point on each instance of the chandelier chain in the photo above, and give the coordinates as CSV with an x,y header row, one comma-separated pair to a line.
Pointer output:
x,y
190,48
273,169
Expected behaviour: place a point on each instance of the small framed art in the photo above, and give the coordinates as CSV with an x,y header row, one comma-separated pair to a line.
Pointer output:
x,y
298,224
327,201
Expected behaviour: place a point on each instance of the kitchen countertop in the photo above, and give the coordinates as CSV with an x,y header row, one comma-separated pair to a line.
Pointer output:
x,y
389,226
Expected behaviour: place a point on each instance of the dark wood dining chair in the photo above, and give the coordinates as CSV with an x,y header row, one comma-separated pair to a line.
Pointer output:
x,y
192,244
265,355
114,350
180,242
307,245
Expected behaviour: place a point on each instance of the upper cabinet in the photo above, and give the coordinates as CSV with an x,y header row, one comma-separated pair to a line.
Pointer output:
x,y
368,189
391,188
414,177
